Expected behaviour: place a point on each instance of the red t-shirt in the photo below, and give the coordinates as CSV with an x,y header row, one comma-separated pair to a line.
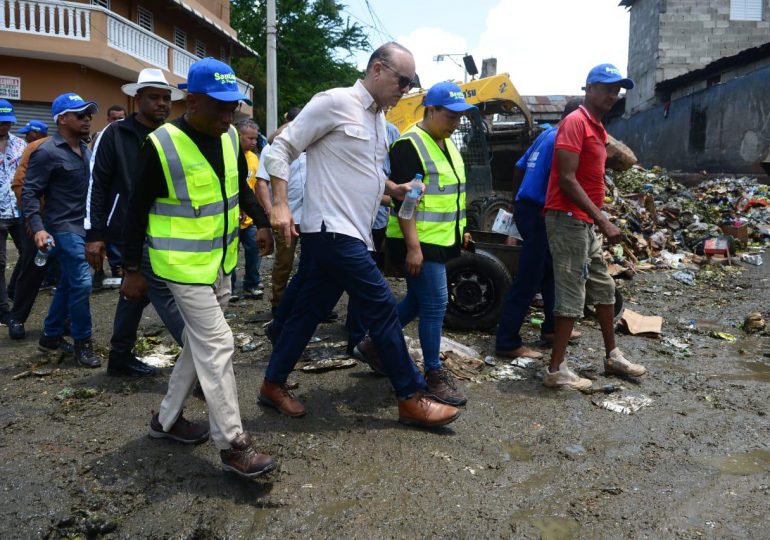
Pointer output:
x,y
581,133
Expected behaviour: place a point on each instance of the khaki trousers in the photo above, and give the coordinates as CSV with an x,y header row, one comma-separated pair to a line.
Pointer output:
x,y
282,266
207,354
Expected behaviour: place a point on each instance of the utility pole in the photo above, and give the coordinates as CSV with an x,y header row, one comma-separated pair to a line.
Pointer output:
x,y
272,79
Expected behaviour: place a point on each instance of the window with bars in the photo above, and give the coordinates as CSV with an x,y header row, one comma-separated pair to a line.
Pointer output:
x,y
200,49
746,10
145,19
180,38
103,3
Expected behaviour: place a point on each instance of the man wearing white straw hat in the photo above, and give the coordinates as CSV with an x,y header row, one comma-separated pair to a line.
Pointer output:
x,y
113,174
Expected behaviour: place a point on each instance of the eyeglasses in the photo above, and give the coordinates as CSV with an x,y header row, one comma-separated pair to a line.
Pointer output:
x,y
403,80
82,115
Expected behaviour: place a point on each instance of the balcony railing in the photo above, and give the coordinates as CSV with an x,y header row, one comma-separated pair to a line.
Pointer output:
x,y
70,20
59,19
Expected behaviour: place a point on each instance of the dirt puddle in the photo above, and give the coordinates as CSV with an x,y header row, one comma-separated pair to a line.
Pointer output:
x,y
748,463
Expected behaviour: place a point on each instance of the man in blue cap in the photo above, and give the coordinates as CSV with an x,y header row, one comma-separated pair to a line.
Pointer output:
x,y
191,186
34,130
59,169
11,149
573,205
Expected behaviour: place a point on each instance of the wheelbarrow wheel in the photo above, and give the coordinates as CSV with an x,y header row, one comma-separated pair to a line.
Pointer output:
x,y
477,285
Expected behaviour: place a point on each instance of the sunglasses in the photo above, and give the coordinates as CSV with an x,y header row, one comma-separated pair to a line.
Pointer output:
x,y
82,115
403,80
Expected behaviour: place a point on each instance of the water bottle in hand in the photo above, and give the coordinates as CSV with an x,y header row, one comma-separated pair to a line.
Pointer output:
x,y
410,201
42,256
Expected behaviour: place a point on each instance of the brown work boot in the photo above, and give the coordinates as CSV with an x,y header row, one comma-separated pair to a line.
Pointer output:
x,y
241,458
420,410
442,387
519,352
182,431
366,352
278,396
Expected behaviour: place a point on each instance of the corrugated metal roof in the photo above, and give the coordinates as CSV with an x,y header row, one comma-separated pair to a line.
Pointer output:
x,y
547,104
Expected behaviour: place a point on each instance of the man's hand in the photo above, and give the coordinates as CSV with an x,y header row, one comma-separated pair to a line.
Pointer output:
x,y
414,261
610,231
282,221
41,240
467,239
265,241
134,286
95,253
399,191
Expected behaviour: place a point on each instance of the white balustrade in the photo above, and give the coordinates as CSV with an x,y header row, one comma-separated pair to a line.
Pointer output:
x,y
40,17
181,61
134,40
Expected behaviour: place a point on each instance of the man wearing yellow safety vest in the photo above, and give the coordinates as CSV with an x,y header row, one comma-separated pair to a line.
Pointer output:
x,y
424,243
186,205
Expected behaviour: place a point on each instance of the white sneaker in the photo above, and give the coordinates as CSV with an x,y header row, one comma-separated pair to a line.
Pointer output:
x,y
565,378
619,365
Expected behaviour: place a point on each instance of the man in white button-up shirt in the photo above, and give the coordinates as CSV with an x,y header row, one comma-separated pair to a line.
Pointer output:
x,y
343,131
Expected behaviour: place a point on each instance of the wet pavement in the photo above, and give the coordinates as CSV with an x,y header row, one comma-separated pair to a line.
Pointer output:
x,y
522,461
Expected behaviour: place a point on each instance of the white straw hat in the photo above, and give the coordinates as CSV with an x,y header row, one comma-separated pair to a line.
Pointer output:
x,y
152,78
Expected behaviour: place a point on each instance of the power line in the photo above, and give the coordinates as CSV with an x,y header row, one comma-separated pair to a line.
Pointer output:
x,y
378,22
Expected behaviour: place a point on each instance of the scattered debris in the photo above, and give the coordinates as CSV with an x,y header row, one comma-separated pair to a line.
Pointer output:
x,y
329,364
575,449
684,276
609,388
724,336
637,324
76,393
490,361
507,373
754,322
522,362
623,404
756,260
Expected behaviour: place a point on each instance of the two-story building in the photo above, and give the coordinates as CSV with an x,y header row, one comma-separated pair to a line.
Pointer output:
x,y
702,73
92,47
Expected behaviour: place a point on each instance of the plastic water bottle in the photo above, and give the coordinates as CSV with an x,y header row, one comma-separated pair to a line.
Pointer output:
x,y
42,256
410,201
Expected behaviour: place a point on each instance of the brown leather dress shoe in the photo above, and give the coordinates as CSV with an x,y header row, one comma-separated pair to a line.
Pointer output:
x,y
278,396
241,458
182,431
366,352
526,352
420,410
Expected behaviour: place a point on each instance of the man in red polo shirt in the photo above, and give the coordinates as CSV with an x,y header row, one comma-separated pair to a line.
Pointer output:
x,y
572,208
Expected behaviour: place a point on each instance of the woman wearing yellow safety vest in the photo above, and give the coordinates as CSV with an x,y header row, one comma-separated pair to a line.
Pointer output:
x,y
424,243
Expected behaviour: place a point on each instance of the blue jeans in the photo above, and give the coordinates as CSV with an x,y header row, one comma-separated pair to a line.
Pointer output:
x,y
73,289
248,239
128,313
535,274
426,297
330,264
114,256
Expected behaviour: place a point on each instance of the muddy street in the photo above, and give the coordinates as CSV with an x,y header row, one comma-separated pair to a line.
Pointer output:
x,y
522,461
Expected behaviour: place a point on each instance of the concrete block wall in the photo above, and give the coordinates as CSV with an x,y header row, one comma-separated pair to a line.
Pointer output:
x,y
688,35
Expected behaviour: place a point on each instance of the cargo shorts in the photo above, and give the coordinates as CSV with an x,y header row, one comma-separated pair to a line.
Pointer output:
x,y
579,270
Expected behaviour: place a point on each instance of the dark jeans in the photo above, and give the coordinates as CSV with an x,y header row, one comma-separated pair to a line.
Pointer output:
x,y
330,264
248,239
353,324
114,257
73,290
29,280
128,313
12,228
535,274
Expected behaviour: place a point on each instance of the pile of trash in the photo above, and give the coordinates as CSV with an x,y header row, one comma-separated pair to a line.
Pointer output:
x,y
667,225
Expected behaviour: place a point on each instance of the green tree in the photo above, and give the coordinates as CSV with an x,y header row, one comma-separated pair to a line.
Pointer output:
x,y
315,47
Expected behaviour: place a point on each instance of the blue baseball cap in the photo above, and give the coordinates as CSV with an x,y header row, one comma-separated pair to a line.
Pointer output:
x,y
6,111
215,79
448,95
71,102
35,125
608,74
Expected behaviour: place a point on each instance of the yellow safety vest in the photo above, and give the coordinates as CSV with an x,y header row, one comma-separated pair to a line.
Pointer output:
x,y
443,203
194,231
252,160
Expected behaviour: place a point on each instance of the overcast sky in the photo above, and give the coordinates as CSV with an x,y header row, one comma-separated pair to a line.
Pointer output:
x,y
547,46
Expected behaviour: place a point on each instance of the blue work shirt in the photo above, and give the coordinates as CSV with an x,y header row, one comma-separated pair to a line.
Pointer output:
x,y
537,160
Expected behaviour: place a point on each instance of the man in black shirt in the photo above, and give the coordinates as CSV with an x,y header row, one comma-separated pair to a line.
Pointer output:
x,y
195,156
113,174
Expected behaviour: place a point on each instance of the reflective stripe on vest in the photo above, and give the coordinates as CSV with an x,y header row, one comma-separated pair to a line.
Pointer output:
x,y
443,203
193,233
